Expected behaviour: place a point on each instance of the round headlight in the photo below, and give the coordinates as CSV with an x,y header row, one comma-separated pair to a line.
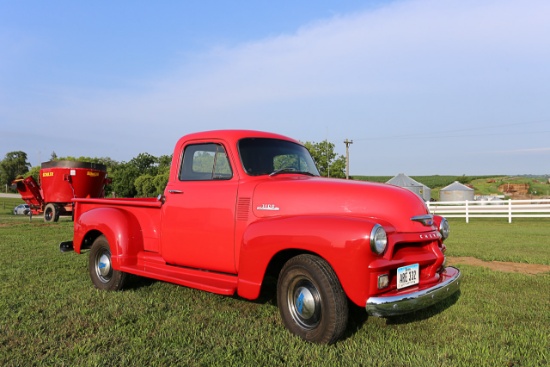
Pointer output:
x,y
444,228
378,239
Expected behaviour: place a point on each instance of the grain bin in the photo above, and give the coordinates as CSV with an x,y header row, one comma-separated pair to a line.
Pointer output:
x,y
404,181
456,192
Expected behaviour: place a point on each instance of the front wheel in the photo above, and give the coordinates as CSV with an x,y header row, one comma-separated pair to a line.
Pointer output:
x,y
311,300
100,267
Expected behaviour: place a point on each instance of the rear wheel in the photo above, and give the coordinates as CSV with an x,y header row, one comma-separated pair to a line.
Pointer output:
x,y
311,300
100,267
51,213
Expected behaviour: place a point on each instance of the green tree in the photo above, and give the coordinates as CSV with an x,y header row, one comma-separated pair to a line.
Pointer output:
x,y
124,175
328,162
13,165
164,162
144,175
146,163
34,172
145,186
160,182
161,179
106,161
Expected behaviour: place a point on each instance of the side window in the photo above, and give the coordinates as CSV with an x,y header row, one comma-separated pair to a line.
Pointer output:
x,y
203,162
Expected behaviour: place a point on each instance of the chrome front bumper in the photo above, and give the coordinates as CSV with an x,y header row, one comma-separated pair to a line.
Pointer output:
x,y
408,302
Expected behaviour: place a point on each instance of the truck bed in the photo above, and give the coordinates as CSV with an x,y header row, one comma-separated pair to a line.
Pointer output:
x,y
145,202
144,212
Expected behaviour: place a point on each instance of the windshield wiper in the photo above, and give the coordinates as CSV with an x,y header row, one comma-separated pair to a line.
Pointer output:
x,y
290,170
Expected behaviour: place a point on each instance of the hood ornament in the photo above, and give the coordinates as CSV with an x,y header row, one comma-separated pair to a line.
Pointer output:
x,y
427,219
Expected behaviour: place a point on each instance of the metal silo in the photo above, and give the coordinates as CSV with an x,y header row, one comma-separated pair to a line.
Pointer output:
x,y
456,192
404,181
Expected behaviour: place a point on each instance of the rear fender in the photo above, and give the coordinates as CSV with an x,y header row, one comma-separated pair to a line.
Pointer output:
x,y
120,227
341,241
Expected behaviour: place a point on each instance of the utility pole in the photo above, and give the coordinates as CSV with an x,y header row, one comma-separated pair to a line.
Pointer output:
x,y
328,159
347,142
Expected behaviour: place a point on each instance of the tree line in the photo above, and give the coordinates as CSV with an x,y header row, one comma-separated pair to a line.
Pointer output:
x,y
146,175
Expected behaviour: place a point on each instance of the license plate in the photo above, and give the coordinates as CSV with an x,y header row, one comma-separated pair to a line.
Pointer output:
x,y
407,276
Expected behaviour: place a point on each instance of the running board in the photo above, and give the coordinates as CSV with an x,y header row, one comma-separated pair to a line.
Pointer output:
x,y
154,267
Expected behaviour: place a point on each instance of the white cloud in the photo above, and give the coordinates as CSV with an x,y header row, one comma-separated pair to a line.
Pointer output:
x,y
409,67
451,48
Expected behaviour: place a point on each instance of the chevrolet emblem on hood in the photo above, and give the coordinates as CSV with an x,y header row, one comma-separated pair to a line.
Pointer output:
x,y
267,207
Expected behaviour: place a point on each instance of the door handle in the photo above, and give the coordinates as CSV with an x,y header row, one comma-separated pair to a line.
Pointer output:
x,y
175,191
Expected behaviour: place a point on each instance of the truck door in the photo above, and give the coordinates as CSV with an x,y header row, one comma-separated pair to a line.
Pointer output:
x,y
199,213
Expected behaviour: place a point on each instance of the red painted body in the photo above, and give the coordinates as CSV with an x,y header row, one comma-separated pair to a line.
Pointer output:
x,y
224,235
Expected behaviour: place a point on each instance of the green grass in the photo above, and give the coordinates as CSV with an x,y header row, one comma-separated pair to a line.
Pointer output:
x,y
7,205
525,240
50,314
537,186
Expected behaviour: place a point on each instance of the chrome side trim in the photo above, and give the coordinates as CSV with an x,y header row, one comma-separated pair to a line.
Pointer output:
x,y
409,302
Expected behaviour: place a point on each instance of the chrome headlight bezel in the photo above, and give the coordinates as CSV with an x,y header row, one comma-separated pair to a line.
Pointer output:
x,y
378,239
444,228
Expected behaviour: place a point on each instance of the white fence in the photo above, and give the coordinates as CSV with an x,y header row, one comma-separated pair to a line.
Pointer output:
x,y
536,208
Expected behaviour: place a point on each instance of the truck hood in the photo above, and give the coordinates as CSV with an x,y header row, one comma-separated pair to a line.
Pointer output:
x,y
298,195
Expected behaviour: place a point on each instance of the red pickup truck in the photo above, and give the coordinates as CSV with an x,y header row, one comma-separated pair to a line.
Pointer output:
x,y
241,206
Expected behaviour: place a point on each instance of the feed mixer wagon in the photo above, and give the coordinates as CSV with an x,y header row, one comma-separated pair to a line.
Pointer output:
x,y
59,183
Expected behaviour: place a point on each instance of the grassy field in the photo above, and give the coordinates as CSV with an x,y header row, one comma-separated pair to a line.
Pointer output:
x,y
50,314
483,185
430,181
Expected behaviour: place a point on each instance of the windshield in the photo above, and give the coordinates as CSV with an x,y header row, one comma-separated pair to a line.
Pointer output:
x,y
264,156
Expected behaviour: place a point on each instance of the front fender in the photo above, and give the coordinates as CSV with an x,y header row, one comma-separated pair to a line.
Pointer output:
x,y
120,227
341,241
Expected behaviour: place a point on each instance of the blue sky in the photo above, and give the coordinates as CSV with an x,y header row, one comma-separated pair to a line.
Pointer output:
x,y
422,87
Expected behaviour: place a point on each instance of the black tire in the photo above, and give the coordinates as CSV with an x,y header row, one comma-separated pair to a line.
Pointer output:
x,y
101,271
51,213
311,300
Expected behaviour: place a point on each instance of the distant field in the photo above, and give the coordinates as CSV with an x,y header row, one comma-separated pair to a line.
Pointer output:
x,y
430,181
482,185
51,315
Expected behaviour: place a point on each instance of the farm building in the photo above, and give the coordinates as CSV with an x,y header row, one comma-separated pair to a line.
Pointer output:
x,y
404,181
456,192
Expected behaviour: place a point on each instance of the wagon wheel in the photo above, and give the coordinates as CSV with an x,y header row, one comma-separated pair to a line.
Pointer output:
x,y
51,213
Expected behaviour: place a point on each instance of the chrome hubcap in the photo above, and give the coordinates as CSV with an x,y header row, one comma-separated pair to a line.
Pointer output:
x,y
304,303
103,267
